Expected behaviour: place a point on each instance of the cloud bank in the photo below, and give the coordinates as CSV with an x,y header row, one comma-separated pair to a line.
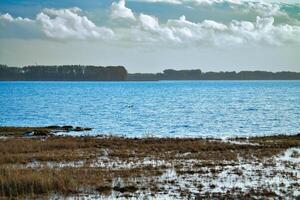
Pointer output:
x,y
73,24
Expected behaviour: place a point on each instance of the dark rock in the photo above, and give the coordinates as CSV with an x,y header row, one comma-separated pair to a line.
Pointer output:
x,y
41,133
104,189
78,129
67,128
130,188
28,133
37,133
53,127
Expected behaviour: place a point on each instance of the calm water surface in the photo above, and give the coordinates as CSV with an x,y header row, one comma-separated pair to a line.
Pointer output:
x,y
167,108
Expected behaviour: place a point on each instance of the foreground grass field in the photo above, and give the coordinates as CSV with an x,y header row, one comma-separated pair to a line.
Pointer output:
x,y
109,167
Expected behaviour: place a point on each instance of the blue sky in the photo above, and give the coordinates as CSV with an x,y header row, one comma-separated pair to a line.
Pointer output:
x,y
151,35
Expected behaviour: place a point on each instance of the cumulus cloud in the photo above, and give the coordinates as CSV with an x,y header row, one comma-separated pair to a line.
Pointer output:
x,y
182,31
195,33
69,24
8,18
57,24
264,30
210,24
119,10
18,27
151,24
262,8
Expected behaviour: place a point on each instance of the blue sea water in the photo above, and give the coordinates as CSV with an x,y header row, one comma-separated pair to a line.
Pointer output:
x,y
164,108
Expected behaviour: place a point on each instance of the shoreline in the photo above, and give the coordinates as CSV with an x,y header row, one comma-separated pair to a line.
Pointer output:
x,y
74,131
174,168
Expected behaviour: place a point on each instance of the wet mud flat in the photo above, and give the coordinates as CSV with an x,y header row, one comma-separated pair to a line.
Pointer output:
x,y
51,166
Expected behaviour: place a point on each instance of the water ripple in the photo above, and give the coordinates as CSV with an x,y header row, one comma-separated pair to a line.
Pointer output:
x,y
170,108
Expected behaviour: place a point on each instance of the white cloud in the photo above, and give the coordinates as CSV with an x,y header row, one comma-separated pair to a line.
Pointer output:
x,y
192,33
68,24
210,24
148,22
151,24
54,12
182,31
119,10
8,18
264,31
179,31
262,8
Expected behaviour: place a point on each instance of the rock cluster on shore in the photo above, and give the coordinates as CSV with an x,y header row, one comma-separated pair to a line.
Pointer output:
x,y
39,131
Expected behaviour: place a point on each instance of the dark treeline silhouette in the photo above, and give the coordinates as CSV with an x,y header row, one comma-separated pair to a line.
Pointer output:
x,y
63,73
170,74
119,73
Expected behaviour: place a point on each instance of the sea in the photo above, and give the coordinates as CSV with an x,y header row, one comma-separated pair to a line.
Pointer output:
x,y
159,108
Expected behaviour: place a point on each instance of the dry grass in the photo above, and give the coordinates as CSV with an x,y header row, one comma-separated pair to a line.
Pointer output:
x,y
18,180
21,182
65,181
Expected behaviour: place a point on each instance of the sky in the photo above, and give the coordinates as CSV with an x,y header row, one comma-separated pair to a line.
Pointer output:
x,y
153,35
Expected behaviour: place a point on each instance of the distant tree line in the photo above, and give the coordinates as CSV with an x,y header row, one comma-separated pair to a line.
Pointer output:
x,y
63,73
168,74
119,73
171,74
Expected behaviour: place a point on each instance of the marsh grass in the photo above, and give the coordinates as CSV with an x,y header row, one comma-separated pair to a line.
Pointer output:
x,y
19,180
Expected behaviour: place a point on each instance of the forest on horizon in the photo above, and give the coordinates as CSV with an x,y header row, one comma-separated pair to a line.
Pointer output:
x,y
119,73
